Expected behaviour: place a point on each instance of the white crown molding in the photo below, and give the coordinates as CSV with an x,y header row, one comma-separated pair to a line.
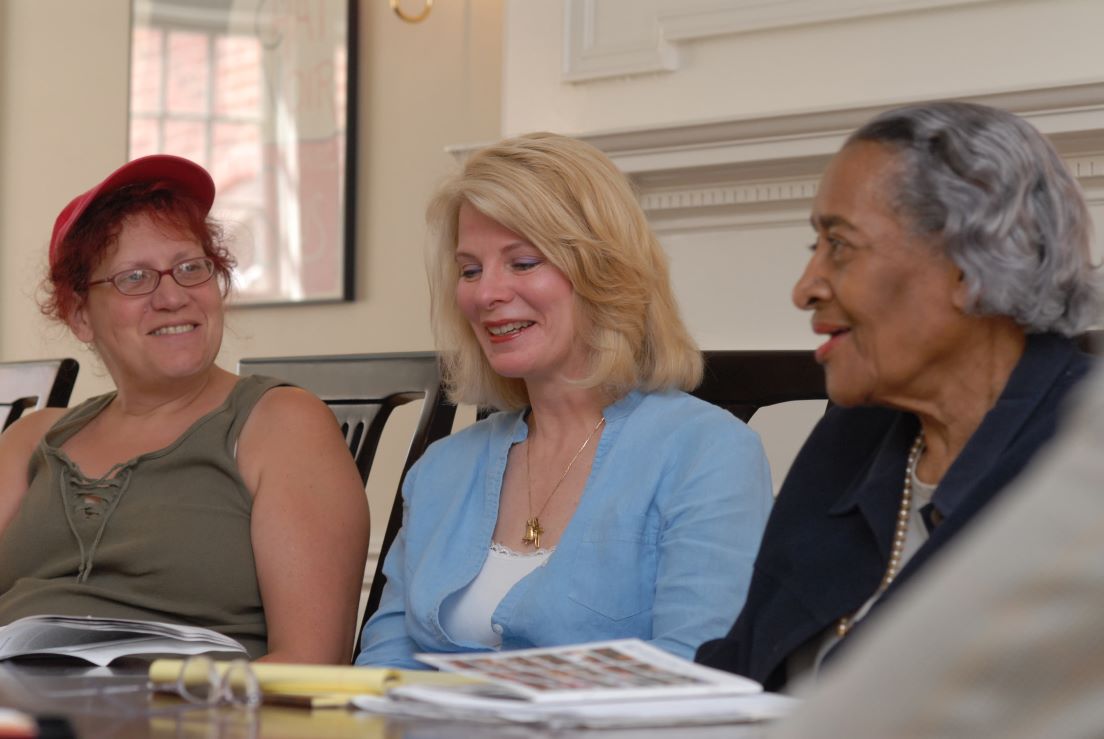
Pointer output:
x,y
1089,171
651,47
763,170
1068,113
682,207
1087,168
755,194
1073,115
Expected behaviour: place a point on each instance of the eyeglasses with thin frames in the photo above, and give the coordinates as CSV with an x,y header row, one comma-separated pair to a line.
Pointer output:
x,y
144,280
205,682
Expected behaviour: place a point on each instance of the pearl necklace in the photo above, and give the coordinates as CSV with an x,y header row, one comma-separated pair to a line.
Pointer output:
x,y
846,622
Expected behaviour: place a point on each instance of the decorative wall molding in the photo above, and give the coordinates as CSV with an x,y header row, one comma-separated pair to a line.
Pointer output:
x,y
682,21
1089,171
1071,114
589,53
763,170
682,208
1087,167
615,38
756,194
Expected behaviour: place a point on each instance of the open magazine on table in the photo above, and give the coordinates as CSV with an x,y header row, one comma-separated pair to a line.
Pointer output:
x,y
611,684
103,640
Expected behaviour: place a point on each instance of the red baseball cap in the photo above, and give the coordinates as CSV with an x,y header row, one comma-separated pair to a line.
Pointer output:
x,y
176,172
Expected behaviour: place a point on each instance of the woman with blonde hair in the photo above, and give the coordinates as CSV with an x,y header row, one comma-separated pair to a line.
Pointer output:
x,y
602,501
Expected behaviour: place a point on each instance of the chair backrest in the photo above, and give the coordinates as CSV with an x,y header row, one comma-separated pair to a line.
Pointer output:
x,y
13,410
362,390
35,384
743,381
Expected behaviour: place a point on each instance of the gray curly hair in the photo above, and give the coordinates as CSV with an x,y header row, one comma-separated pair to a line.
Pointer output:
x,y
1005,207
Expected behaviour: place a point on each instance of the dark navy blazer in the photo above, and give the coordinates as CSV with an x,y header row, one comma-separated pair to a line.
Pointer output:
x,y
827,542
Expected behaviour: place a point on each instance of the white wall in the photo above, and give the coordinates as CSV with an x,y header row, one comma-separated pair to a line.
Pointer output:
x,y
64,126
949,51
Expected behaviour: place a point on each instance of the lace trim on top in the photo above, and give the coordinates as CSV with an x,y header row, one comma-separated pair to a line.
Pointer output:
x,y
506,551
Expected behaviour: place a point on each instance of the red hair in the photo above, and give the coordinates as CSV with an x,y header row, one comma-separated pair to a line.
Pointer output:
x,y
99,227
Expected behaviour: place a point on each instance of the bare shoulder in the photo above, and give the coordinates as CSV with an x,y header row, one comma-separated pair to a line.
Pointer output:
x,y
288,421
292,435
17,444
285,408
29,430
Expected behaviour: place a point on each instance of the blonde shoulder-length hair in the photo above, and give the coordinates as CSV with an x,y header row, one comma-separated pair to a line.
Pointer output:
x,y
568,200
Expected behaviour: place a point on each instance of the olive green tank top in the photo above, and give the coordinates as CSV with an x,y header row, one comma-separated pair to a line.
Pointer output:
x,y
162,537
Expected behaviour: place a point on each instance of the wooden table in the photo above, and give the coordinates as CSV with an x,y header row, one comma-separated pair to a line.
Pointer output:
x,y
115,703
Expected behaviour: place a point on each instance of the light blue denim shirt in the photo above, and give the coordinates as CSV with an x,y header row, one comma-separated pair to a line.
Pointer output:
x,y
660,547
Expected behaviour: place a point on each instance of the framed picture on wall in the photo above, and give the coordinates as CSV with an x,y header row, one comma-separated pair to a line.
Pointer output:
x,y
262,94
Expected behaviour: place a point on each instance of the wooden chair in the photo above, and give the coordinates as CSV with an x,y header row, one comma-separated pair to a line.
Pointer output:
x,y
362,390
35,384
743,381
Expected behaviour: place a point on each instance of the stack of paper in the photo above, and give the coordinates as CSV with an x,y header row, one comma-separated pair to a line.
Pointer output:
x,y
103,640
614,684
459,704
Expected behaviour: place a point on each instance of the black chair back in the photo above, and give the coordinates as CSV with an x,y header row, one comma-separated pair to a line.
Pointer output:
x,y
743,381
362,390
44,383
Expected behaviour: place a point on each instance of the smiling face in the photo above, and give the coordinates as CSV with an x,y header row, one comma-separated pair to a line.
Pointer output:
x,y
171,334
889,300
519,305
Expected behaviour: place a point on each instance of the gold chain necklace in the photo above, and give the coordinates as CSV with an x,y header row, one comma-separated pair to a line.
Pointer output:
x,y
533,528
846,622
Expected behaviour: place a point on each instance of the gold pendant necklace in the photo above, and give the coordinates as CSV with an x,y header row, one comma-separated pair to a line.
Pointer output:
x,y
900,532
533,529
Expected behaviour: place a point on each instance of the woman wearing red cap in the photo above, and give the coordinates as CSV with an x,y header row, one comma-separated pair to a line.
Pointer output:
x,y
188,494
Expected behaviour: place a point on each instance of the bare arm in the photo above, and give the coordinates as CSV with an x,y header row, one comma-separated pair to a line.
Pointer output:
x,y
309,526
17,444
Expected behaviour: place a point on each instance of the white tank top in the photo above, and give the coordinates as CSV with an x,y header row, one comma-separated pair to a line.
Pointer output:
x,y
466,615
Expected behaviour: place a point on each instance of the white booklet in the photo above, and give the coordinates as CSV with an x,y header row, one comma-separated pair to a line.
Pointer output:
x,y
103,640
612,684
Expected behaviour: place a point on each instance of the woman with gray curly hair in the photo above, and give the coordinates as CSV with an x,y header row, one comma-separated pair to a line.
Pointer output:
x,y
951,269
